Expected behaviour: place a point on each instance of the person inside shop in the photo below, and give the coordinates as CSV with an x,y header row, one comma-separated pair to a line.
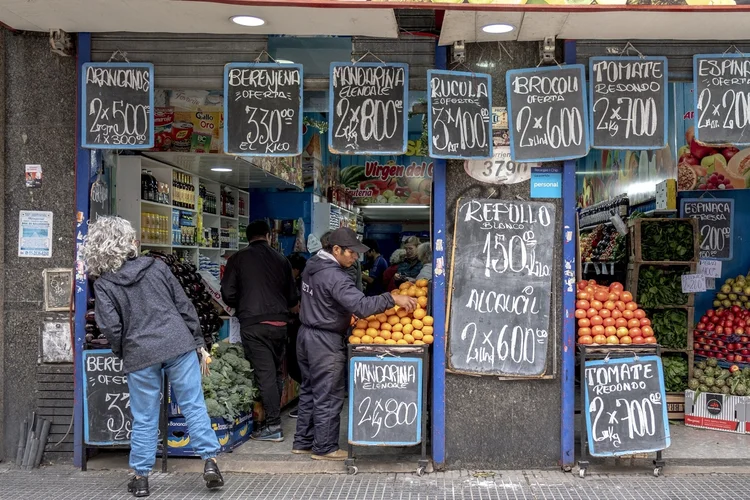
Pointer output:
x,y
354,271
377,265
329,299
389,276
424,254
152,327
411,265
259,283
298,263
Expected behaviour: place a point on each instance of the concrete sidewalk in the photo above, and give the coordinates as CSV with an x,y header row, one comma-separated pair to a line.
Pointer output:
x,y
61,482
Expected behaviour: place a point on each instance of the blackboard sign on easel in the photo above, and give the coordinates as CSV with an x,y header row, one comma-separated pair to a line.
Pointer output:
x,y
500,288
367,112
547,113
117,105
625,406
459,115
629,102
720,98
715,225
263,109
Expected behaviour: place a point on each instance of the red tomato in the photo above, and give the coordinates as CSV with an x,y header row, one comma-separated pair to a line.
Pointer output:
x,y
650,340
582,304
610,330
627,314
631,306
613,340
610,304
597,330
634,323
647,331
584,322
605,313
582,296
622,331
635,332
609,322
596,304
639,340
620,305
616,287
626,340
584,331
586,339
580,313
621,323
592,312
645,322
639,313
597,320
617,314
626,297
601,296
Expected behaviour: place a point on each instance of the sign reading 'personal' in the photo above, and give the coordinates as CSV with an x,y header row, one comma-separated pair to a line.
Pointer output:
x,y
547,113
501,278
118,104
263,109
367,108
722,98
459,109
628,102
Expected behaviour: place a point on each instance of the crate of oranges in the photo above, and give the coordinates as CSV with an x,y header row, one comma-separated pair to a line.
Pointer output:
x,y
609,315
395,326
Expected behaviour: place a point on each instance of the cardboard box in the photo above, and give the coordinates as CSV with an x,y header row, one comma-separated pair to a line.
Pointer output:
x,y
719,412
666,195
230,434
676,406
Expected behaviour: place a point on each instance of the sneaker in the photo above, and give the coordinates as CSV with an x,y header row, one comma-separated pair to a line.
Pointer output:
x,y
273,434
337,456
138,486
302,451
294,413
212,475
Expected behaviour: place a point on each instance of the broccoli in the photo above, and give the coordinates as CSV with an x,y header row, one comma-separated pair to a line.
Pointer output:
x,y
214,408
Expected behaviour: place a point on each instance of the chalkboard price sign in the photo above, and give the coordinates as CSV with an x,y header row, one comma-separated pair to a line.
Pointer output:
x,y
625,406
263,109
500,287
459,115
118,104
385,401
547,113
715,223
107,418
628,102
367,108
721,98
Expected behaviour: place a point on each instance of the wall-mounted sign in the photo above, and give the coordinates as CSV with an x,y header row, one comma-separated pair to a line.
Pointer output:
x,y
548,113
118,104
367,108
546,182
721,98
459,114
628,102
715,224
263,109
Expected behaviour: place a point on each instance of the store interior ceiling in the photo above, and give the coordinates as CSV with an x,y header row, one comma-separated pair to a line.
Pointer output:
x,y
453,24
396,213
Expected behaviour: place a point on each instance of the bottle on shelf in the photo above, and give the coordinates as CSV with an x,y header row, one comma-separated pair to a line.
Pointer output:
x,y
144,185
241,206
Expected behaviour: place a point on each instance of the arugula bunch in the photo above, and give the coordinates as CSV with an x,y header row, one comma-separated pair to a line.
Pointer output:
x,y
670,327
661,286
667,240
675,373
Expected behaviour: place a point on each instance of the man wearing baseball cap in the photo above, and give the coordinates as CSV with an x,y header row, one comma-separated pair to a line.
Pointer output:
x,y
329,299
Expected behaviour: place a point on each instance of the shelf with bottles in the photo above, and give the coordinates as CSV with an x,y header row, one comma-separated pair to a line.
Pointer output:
x,y
184,229
184,190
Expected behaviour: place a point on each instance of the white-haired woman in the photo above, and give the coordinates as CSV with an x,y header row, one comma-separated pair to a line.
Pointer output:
x,y
389,276
152,326
424,254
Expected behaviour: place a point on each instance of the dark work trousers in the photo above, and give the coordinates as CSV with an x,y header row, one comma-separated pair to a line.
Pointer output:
x,y
264,347
322,360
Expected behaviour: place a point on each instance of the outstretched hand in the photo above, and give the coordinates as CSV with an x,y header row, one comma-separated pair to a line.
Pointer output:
x,y
407,303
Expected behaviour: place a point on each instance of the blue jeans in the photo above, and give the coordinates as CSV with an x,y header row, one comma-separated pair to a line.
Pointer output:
x,y
145,388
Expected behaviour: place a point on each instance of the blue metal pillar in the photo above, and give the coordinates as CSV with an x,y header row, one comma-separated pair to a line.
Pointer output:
x,y
83,175
438,294
567,427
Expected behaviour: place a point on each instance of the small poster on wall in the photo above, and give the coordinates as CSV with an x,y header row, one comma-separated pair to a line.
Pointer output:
x,y
35,234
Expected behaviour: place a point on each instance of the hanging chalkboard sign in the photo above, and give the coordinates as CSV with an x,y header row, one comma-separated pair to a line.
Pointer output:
x,y
549,119
106,400
716,225
721,98
501,279
368,108
459,115
263,109
118,104
625,406
385,401
628,102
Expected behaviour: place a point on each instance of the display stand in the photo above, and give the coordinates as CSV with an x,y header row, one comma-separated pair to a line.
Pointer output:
x,y
614,352
387,399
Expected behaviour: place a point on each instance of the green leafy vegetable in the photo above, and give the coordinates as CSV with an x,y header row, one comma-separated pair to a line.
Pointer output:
x,y
667,240
675,373
229,388
670,327
661,286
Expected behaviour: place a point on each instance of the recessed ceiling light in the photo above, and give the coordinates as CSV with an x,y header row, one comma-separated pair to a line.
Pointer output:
x,y
248,21
498,28
221,169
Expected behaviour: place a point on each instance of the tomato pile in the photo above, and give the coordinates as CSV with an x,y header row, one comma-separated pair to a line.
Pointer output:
x,y
608,315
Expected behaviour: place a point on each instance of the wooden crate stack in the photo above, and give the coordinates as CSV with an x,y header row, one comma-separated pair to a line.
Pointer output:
x,y
637,263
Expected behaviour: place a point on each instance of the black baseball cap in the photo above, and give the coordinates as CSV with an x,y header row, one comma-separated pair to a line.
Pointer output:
x,y
346,238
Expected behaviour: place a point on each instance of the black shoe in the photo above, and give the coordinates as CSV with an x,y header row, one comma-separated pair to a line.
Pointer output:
x,y
273,434
212,475
294,413
138,486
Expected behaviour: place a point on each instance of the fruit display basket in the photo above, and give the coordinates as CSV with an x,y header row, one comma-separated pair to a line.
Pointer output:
x,y
634,275
724,334
636,240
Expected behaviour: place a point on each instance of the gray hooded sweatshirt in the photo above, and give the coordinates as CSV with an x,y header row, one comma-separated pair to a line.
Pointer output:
x,y
144,313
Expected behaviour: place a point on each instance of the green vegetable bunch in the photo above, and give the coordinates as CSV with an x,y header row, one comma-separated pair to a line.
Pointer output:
x,y
667,240
229,388
675,373
661,286
670,327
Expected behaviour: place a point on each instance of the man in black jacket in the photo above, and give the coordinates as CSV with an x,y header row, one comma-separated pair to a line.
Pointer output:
x,y
329,299
259,284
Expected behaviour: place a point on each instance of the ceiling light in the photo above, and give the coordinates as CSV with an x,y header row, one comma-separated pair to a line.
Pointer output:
x,y
221,169
247,21
498,28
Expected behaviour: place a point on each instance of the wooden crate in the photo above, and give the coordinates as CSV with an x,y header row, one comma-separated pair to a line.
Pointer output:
x,y
635,269
635,237
690,311
676,406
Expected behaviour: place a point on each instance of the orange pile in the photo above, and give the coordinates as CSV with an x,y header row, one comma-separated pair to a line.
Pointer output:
x,y
608,315
395,326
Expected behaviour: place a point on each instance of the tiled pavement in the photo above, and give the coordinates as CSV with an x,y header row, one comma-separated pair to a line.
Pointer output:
x,y
64,483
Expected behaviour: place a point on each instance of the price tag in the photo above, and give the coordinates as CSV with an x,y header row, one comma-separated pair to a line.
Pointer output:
x,y
709,268
693,283
710,283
